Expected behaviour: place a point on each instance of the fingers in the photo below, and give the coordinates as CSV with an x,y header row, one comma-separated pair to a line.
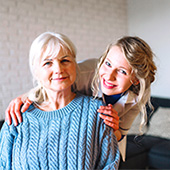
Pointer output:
x,y
13,112
112,125
110,121
10,114
17,113
13,115
108,110
7,115
26,105
110,116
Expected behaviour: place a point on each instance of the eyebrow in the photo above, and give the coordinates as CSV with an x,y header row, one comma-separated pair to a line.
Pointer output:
x,y
47,59
65,56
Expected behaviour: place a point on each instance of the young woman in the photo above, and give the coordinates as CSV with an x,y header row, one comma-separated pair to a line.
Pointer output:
x,y
122,79
61,129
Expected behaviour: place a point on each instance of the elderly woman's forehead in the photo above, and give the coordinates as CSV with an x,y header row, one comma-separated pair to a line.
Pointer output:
x,y
55,50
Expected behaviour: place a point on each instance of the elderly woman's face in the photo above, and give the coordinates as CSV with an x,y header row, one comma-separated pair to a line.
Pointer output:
x,y
57,73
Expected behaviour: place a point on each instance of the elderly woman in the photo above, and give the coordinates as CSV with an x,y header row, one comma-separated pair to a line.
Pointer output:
x,y
61,129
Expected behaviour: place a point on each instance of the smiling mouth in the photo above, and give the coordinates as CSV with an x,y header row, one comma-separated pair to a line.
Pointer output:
x,y
59,79
108,85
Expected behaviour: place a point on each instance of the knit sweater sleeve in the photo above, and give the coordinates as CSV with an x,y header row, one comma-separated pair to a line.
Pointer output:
x,y
6,145
107,146
109,151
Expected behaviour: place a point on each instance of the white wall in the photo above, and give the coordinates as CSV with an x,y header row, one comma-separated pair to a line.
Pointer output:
x,y
90,24
150,19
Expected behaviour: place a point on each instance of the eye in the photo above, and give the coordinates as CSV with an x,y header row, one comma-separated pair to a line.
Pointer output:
x,y
65,61
107,63
48,63
123,72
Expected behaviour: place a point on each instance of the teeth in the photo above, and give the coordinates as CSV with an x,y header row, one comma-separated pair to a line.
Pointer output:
x,y
108,84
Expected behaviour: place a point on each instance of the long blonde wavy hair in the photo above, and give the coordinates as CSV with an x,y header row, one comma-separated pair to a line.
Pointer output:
x,y
140,57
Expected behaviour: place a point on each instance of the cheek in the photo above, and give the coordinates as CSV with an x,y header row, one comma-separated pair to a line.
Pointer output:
x,y
42,76
102,70
73,74
126,83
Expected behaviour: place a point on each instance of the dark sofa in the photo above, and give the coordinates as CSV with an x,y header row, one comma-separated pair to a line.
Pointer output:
x,y
1,123
146,151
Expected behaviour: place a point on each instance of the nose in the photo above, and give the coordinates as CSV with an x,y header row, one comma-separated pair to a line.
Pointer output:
x,y
58,68
111,74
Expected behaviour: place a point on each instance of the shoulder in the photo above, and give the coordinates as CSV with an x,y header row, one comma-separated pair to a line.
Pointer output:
x,y
126,103
8,129
91,101
28,111
131,101
32,114
85,65
85,75
129,98
5,127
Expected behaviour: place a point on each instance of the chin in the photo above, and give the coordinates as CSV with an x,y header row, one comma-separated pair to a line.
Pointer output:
x,y
108,92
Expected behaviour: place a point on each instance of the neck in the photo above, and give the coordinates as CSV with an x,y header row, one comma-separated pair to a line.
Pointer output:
x,y
57,100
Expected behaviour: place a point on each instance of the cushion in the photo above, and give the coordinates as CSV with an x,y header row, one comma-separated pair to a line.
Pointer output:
x,y
140,144
138,148
137,151
159,155
160,123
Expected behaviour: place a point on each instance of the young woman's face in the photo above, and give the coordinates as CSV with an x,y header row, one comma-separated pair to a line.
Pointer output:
x,y
57,73
115,73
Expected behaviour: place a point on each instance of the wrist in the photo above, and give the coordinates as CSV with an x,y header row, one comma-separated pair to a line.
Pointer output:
x,y
118,135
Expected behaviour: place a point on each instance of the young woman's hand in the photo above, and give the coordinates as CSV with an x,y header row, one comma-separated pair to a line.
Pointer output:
x,y
110,116
13,110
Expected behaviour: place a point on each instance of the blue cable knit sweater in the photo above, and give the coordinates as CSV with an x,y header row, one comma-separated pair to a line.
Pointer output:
x,y
72,138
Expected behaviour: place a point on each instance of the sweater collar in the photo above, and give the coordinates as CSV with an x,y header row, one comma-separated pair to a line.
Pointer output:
x,y
56,113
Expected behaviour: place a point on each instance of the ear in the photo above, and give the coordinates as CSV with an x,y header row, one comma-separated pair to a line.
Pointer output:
x,y
136,82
